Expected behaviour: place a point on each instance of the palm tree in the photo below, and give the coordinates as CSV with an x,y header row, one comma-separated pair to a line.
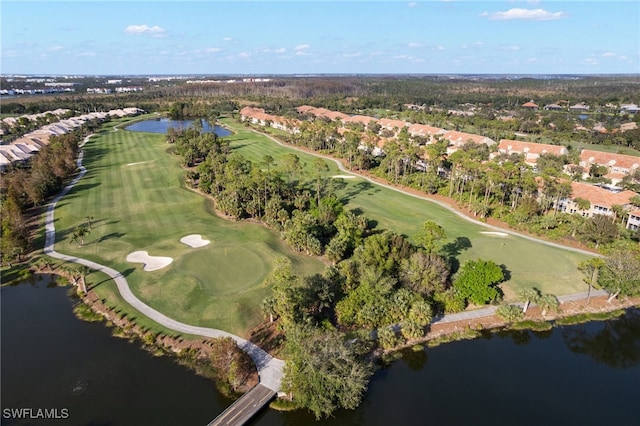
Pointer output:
x,y
79,233
89,220
528,295
591,268
547,302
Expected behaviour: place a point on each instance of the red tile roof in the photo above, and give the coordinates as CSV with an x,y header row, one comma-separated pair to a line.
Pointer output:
x,y
588,157
358,119
461,138
529,105
389,123
510,146
424,130
600,196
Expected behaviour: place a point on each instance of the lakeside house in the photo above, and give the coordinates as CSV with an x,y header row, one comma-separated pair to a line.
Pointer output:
x,y
579,107
601,200
629,109
530,105
530,150
618,165
553,107
258,116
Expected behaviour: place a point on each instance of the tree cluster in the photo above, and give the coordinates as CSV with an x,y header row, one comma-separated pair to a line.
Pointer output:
x,y
29,186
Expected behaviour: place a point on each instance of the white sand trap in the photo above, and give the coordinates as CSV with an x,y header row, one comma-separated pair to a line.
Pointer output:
x,y
343,177
151,263
194,241
498,234
135,164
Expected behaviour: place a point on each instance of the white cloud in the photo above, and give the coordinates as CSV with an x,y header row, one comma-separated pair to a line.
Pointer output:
x,y
301,47
281,50
55,48
244,55
154,31
352,55
512,48
440,48
412,4
212,50
608,55
525,14
414,44
591,61
86,54
226,39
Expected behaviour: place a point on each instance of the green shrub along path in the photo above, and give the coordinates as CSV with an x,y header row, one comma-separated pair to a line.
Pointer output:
x,y
134,190
529,263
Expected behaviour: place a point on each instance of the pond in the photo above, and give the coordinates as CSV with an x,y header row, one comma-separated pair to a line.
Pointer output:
x,y
583,374
162,125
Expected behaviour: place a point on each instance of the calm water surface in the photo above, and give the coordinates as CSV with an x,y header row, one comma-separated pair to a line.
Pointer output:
x,y
578,375
161,125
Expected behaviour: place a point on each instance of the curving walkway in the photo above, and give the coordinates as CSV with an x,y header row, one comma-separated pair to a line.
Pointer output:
x,y
270,369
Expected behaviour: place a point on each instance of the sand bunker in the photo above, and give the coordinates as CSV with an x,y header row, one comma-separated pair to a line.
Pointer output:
x,y
194,241
498,234
135,164
151,263
343,177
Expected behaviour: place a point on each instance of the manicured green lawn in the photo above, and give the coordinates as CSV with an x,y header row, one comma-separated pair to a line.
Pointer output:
x,y
134,191
551,270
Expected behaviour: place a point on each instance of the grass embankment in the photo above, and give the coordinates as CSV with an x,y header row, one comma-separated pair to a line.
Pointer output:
x,y
529,263
134,191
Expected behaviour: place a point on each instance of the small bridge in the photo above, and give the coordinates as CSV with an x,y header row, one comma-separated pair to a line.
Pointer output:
x,y
249,404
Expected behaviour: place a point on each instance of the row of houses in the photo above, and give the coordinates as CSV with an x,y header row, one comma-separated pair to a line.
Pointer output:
x,y
601,200
22,149
580,107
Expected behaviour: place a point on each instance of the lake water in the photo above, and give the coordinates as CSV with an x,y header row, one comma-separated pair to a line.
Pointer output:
x,y
161,125
576,375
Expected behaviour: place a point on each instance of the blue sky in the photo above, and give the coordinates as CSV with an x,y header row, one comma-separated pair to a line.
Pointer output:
x,y
305,37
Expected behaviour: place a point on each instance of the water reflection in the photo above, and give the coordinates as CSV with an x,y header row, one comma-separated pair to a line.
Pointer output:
x,y
615,343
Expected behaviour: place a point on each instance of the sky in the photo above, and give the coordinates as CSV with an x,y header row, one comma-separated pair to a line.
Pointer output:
x,y
312,37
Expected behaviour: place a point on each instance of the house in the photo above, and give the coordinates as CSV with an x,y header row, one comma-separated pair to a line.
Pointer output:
x,y
458,139
629,109
618,165
530,105
601,200
362,119
531,151
552,107
259,117
579,107
424,131
390,124
633,222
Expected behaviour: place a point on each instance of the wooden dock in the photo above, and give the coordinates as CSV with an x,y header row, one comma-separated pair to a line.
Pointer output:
x,y
249,404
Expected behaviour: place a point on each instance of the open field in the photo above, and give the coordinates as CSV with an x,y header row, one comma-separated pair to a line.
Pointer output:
x,y
133,190
551,270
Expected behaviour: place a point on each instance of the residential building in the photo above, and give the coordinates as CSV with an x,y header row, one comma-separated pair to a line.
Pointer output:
x,y
422,130
458,139
601,200
530,105
531,150
552,107
618,165
633,222
579,107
